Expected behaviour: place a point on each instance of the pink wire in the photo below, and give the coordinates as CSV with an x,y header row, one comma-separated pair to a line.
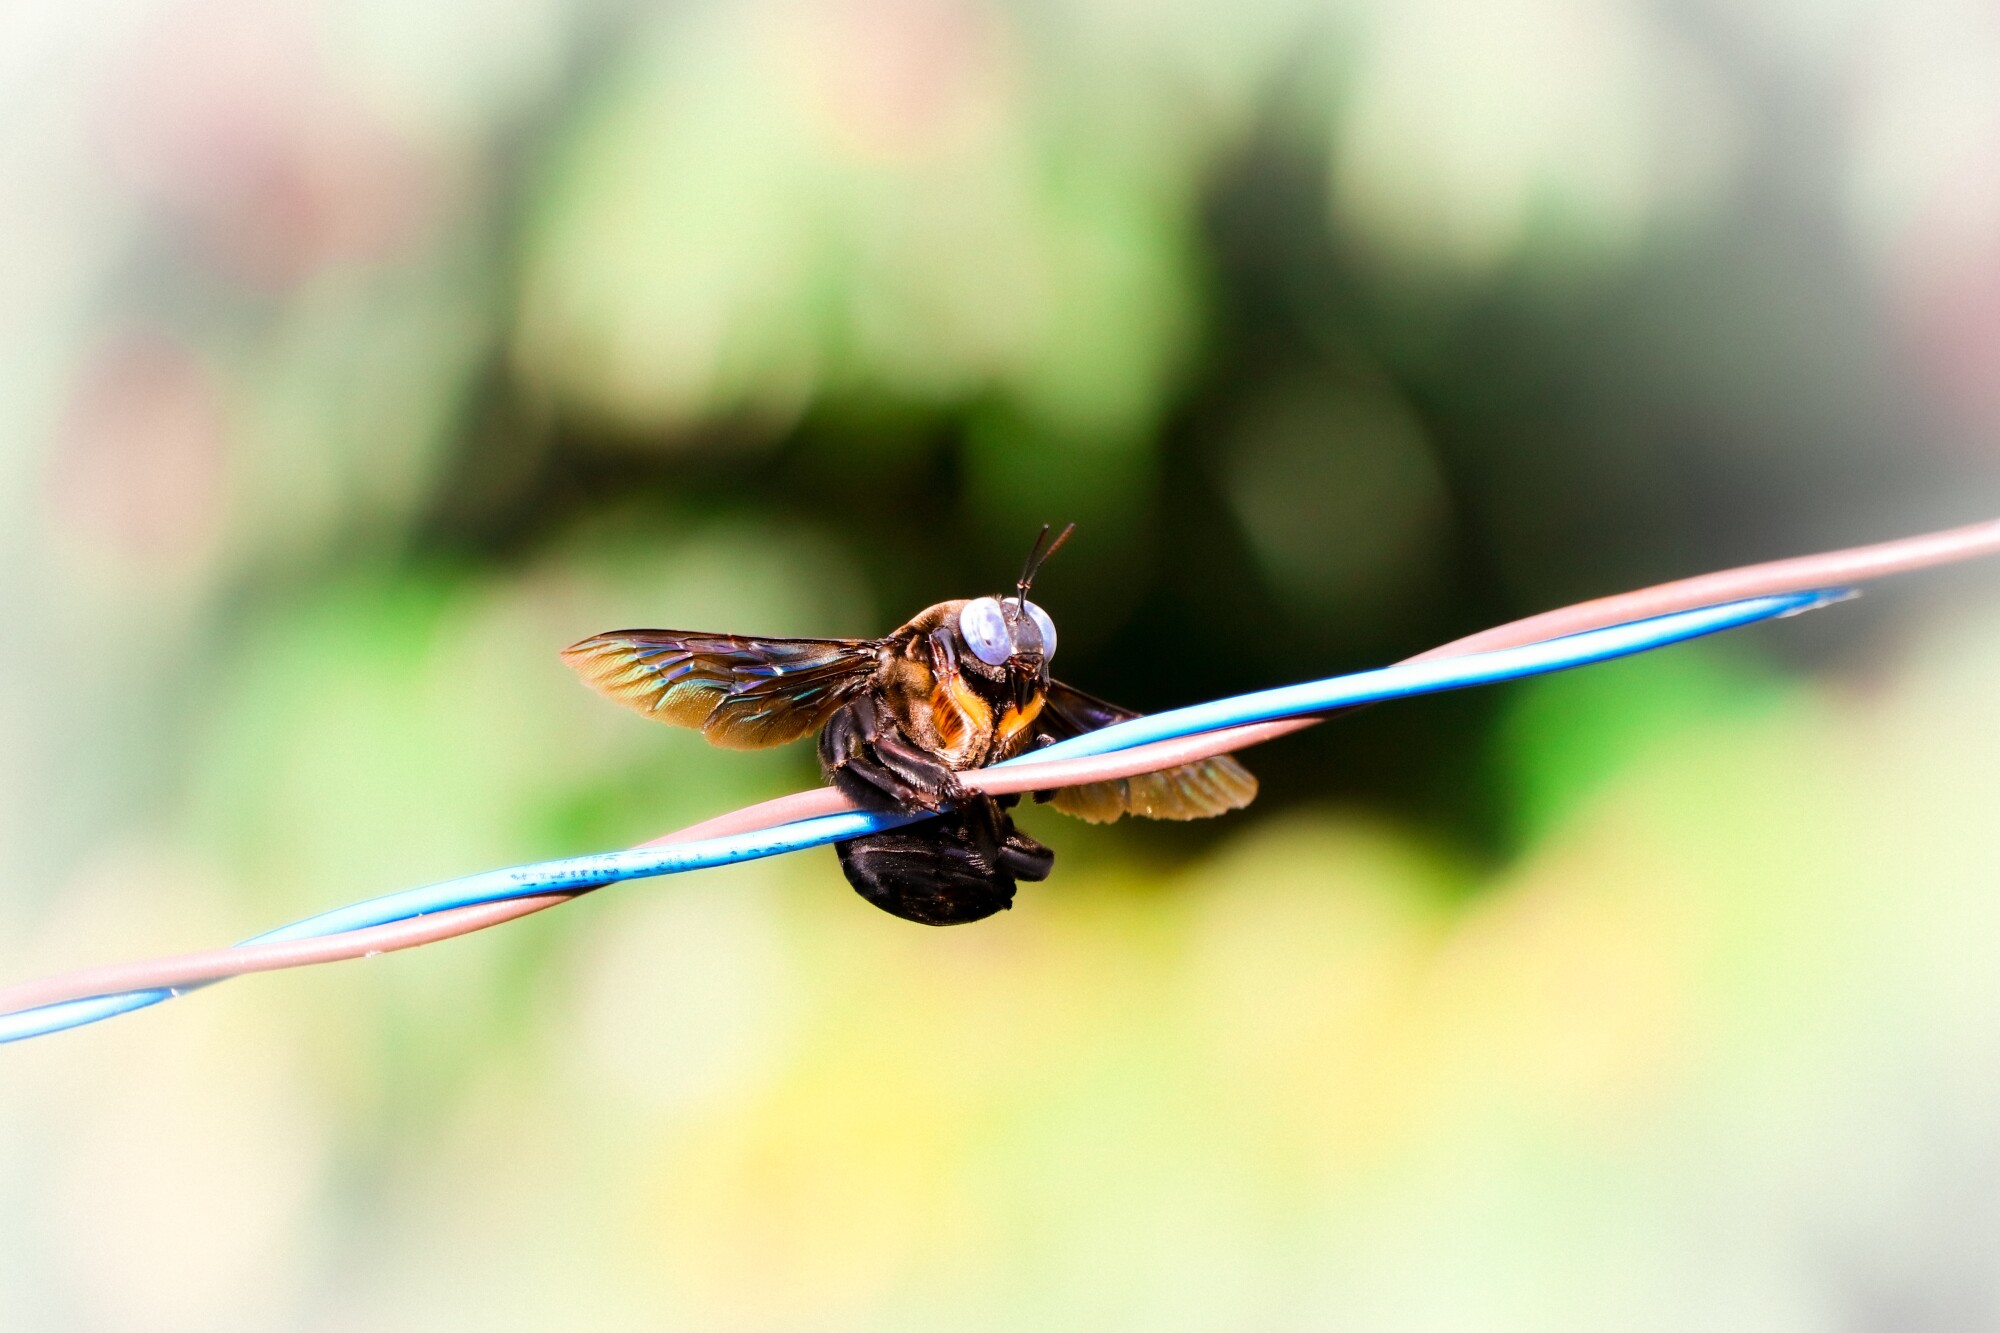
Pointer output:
x,y
206,966
1799,574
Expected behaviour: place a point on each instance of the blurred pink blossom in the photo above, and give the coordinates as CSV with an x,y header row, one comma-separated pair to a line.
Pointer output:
x,y
228,120
141,458
900,78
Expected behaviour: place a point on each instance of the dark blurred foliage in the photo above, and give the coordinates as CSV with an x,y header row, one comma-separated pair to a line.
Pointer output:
x,y
1731,391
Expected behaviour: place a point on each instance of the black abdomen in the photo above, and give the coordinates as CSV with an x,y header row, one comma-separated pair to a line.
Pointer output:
x,y
960,867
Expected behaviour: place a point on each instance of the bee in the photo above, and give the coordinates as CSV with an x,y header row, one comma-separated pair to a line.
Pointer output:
x,y
961,685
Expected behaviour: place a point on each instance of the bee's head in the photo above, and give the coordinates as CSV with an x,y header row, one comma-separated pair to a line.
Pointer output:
x,y
1008,632
1012,634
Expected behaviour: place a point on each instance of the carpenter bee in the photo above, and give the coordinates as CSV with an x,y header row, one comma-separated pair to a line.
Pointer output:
x,y
962,685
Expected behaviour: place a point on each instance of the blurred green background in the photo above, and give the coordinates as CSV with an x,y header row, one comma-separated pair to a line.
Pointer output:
x,y
355,357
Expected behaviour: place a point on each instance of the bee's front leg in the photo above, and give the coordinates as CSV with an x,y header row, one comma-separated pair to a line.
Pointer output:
x,y
867,756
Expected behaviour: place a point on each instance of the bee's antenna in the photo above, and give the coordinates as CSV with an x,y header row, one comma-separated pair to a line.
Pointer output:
x,y
1037,557
1028,565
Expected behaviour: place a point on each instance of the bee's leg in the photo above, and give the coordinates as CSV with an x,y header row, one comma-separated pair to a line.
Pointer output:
x,y
1043,742
1024,858
844,755
1013,851
944,652
866,756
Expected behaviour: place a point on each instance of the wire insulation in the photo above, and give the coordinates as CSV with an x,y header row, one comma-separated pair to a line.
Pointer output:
x,y
546,879
147,982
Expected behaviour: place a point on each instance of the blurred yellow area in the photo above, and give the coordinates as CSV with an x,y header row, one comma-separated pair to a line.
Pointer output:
x,y
355,358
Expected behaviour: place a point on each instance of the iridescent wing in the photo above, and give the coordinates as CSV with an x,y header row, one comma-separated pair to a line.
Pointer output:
x,y
1190,791
742,693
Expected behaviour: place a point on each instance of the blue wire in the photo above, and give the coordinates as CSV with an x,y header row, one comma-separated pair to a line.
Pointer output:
x,y
579,872
1430,677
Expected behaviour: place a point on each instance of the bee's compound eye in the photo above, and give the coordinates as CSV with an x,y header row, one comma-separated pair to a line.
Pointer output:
x,y
1047,628
983,626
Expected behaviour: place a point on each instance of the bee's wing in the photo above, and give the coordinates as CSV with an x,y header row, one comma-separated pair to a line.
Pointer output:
x,y
1190,791
742,693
